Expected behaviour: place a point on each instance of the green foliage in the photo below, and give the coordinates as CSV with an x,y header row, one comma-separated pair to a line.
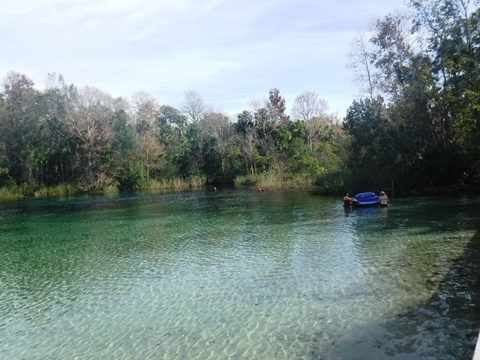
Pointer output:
x,y
277,179
83,138
171,116
59,190
333,182
244,123
427,137
131,177
418,126
370,154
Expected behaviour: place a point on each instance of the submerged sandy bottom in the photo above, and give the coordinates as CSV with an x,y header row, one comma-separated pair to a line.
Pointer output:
x,y
306,284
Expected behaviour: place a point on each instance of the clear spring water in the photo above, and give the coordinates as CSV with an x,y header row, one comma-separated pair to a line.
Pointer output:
x,y
236,274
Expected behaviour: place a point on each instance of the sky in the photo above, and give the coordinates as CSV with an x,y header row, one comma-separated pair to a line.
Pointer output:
x,y
230,52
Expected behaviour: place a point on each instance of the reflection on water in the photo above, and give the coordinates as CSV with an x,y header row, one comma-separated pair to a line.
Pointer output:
x,y
237,274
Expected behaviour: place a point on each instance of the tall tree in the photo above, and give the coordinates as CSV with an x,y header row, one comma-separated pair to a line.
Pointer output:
x,y
450,30
124,155
176,146
22,128
277,106
215,131
360,59
308,105
370,149
88,118
393,52
55,99
310,108
172,116
146,110
194,106
245,127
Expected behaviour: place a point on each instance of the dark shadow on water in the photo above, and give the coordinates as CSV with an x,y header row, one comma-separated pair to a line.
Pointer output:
x,y
444,327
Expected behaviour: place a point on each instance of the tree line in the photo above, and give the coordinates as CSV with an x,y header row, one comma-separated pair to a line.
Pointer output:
x,y
419,119
90,141
416,123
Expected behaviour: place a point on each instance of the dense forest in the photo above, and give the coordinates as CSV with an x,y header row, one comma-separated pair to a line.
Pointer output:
x,y
415,127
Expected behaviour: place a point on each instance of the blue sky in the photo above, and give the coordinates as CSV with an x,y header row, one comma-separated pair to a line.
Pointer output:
x,y
229,51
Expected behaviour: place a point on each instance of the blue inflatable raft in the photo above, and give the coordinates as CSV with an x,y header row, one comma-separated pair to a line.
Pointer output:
x,y
366,198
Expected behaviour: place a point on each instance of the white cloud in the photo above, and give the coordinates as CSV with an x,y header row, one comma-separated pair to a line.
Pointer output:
x,y
229,51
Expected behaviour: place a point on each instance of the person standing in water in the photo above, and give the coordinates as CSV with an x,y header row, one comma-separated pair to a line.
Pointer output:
x,y
383,199
347,201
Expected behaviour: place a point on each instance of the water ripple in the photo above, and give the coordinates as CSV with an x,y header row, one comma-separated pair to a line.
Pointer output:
x,y
233,274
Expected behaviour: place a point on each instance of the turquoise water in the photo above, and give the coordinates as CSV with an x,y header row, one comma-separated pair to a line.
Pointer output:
x,y
236,274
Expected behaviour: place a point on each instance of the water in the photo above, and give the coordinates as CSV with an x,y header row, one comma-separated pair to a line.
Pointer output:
x,y
236,274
